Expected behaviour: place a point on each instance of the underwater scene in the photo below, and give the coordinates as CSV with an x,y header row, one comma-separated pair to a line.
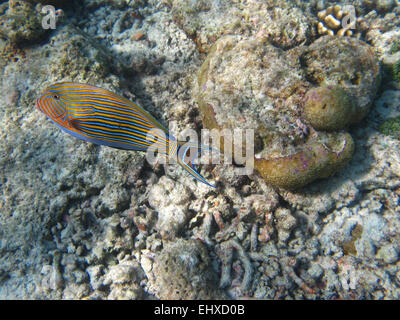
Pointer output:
x,y
195,150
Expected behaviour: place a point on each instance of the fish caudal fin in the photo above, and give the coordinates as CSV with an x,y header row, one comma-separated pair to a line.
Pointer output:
x,y
187,162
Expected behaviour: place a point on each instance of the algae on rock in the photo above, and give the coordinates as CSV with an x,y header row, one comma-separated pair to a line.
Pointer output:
x,y
391,127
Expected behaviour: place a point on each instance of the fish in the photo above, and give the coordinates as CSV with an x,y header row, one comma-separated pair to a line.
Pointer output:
x,y
99,116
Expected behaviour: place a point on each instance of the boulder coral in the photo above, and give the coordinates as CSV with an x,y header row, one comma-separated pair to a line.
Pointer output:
x,y
296,101
315,160
347,62
329,108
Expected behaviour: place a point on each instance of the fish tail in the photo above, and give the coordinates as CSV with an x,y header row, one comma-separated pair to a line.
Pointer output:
x,y
188,163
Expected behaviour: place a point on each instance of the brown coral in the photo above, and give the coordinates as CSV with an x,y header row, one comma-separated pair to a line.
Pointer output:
x,y
248,84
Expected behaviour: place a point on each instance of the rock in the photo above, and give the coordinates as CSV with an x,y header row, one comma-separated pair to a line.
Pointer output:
x,y
95,276
183,271
285,223
21,23
388,253
315,271
206,21
170,199
119,274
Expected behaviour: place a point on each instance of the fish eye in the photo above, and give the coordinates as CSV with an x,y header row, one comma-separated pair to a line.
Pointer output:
x,y
56,97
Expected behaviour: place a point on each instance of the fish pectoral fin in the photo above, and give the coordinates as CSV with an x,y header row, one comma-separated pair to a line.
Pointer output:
x,y
72,123
64,117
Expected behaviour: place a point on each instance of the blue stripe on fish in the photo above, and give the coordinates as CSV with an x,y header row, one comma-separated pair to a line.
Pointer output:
x,y
102,117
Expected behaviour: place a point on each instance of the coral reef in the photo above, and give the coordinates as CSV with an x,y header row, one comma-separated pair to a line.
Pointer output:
x,y
240,87
391,64
317,159
77,50
73,194
382,6
78,221
395,46
55,3
171,202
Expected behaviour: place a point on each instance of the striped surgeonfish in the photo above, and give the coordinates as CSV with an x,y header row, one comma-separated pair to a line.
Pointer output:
x,y
99,116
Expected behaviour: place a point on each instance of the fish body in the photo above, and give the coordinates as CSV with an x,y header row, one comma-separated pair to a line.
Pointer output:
x,y
102,117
